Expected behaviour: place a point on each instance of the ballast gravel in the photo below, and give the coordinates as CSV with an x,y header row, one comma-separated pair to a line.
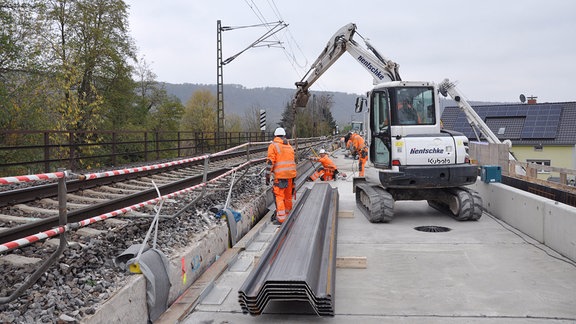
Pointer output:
x,y
85,276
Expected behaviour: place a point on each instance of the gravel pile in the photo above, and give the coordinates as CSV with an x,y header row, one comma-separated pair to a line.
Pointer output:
x,y
85,275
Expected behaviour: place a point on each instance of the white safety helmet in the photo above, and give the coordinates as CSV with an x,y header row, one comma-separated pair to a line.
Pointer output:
x,y
279,132
322,151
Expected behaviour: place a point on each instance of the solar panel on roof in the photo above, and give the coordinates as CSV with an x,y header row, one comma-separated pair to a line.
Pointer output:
x,y
542,122
539,122
512,126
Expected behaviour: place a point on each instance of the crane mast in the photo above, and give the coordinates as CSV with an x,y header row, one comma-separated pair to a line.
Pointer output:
x,y
447,87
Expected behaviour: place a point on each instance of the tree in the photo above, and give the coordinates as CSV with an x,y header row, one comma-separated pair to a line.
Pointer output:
x,y
323,114
85,52
200,112
288,118
120,109
20,105
233,123
17,36
313,120
167,116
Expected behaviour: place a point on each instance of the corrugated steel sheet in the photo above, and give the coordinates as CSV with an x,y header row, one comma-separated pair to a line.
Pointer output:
x,y
300,263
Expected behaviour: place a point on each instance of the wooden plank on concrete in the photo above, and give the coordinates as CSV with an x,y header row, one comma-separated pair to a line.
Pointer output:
x,y
346,214
351,262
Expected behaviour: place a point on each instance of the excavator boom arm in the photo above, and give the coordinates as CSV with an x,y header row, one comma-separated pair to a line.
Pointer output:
x,y
381,69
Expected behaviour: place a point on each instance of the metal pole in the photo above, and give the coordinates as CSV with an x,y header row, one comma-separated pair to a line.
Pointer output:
x,y
219,78
40,271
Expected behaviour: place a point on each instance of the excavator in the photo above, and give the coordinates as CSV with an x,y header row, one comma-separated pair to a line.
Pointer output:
x,y
415,157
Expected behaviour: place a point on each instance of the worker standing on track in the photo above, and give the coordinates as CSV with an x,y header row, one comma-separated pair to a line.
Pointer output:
x,y
358,147
327,171
280,163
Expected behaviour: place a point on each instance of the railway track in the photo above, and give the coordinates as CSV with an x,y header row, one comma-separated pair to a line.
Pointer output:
x,y
188,189
35,208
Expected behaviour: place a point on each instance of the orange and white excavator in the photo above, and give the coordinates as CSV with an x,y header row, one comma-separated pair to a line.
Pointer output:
x,y
416,158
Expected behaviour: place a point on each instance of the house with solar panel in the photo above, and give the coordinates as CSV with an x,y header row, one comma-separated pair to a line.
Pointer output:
x,y
543,133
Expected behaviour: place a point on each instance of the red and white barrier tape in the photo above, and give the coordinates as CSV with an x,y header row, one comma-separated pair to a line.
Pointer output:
x,y
32,177
144,168
230,149
61,229
57,175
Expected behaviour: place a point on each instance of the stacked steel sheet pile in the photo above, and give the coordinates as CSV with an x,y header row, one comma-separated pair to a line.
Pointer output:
x,y
300,262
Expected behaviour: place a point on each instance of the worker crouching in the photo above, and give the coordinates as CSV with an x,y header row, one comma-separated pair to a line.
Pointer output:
x,y
327,171
281,164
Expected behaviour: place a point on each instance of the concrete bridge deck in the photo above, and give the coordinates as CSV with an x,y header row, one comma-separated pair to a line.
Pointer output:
x,y
478,272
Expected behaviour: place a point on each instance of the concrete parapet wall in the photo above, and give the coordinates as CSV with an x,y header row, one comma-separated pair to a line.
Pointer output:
x,y
547,221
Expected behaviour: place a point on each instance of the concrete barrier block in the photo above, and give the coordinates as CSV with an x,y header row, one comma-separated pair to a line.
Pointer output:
x,y
547,221
560,228
128,305
196,258
520,209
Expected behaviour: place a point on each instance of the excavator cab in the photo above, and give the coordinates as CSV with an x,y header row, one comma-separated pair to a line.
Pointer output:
x,y
395,112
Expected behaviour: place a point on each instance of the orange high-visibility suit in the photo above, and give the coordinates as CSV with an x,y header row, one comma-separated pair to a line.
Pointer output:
x,y
280,162
356,143
326,171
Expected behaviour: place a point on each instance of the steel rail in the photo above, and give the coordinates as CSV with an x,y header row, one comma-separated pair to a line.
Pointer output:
x,y
79,215
103,208
24,195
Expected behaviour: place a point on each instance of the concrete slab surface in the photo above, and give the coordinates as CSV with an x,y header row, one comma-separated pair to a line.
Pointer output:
x,y
478,272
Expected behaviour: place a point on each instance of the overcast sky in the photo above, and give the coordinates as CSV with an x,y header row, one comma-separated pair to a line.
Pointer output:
x,y
495,49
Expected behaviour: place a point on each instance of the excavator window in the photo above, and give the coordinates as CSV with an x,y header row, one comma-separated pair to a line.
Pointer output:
x,y
381,112
414,106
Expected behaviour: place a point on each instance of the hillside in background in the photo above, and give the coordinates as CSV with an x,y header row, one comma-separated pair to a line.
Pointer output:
x,y
240,100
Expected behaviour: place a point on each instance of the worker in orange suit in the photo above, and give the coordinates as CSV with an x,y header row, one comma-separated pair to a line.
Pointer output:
x,y
357,145
362,158
281,164
348,138
327,171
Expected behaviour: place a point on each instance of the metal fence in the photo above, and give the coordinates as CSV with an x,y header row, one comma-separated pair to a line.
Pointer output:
x,y
28,152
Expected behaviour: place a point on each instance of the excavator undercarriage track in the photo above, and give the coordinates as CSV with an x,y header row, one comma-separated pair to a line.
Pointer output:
x,y
462,204
375,203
